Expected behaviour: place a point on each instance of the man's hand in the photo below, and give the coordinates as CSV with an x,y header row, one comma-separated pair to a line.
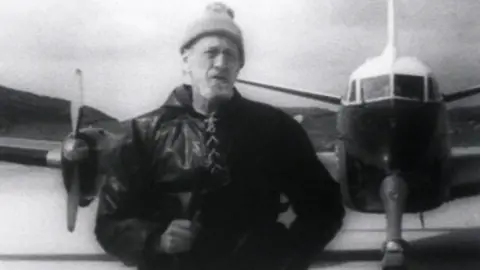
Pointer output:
x,y
178,237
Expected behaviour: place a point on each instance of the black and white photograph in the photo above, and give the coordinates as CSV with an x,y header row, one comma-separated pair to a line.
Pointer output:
x,y
239,134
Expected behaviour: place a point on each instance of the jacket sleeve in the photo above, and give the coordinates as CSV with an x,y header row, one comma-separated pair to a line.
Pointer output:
x,y
313,193
122,225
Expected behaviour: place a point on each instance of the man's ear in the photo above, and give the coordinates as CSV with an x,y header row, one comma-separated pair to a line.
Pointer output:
x,y
186,67
185,59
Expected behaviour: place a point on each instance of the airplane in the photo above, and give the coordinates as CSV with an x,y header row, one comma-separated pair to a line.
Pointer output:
x,y
393,154
81,157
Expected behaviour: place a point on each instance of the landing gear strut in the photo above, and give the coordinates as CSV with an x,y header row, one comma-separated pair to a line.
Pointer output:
x,y
393,192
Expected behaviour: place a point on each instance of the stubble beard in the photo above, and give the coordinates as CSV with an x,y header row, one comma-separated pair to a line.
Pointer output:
x,y
213,94
215,90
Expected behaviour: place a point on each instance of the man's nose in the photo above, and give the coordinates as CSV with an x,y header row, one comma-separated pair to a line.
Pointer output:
x,y
220,61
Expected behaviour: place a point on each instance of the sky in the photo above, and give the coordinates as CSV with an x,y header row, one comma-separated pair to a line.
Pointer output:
x,y
128,50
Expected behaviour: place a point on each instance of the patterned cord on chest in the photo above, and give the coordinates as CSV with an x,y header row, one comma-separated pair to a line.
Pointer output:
x,y
214,159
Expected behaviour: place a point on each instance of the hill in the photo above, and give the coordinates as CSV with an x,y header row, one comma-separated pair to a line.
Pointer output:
x,y
320,125
27,115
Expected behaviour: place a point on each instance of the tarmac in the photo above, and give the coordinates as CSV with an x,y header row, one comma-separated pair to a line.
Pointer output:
x,y
34,234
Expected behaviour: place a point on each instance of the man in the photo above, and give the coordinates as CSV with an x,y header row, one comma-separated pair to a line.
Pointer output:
x,y
196,184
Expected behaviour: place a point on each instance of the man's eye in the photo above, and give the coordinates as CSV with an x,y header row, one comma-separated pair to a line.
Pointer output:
x,y
210,52
231,55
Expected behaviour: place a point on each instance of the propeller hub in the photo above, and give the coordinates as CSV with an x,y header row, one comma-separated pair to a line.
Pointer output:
x,y
75,149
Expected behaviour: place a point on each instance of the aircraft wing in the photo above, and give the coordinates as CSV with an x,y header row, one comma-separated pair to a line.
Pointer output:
x,y
30,152
330,160
462,94
465,172
332,101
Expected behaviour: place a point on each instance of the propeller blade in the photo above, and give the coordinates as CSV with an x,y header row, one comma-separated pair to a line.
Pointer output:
x,y
74,151
76,104
73,199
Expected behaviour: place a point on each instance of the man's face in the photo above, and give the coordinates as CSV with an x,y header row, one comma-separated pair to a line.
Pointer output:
x,y
212,64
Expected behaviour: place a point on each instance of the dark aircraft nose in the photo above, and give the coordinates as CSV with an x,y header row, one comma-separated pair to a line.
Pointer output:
x,y
394,134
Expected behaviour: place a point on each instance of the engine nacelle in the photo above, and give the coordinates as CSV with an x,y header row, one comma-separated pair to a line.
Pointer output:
x,y
91,147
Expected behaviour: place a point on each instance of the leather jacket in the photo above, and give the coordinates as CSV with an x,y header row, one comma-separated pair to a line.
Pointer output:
x,y
165,167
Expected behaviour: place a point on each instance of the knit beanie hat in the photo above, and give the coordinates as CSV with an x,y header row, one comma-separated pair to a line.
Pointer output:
x,y
218,19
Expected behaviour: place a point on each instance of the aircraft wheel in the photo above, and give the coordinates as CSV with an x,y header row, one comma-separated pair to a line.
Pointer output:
x,y
394,261
394,255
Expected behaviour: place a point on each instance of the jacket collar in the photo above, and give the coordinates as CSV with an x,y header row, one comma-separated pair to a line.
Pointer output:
x,y
181,97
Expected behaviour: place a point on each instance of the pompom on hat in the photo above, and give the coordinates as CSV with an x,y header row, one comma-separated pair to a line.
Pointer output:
x,y
217,19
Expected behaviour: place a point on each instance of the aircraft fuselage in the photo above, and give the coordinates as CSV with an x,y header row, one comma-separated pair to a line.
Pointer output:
x,y
393,135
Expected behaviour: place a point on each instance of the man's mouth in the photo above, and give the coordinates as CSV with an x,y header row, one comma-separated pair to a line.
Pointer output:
x,y
220,78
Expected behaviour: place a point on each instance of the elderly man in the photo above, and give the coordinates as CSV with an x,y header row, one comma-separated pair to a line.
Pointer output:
x,y
196,184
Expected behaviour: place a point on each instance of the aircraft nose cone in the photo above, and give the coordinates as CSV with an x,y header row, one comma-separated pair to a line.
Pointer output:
x,y
75,149
393,122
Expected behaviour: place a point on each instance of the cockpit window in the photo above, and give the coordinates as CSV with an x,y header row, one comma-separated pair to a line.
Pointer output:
x,y
408,86
433,93
375,87
352,92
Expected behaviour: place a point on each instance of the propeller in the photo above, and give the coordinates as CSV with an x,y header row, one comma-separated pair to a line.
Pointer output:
x,y
76,104
74,152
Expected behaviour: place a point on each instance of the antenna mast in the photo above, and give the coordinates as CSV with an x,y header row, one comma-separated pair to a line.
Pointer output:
x,y
390,49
